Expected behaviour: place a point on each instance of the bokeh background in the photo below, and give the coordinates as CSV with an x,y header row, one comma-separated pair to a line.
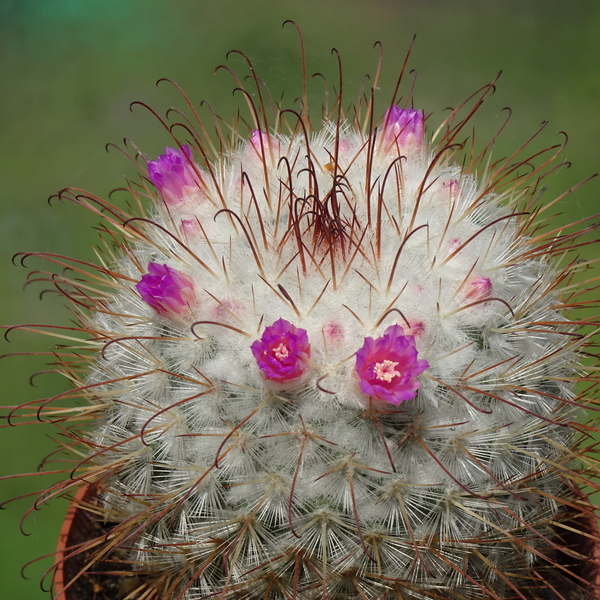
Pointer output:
x,y
69,70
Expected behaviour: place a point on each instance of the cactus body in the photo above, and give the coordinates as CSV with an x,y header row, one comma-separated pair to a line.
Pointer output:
x,y
335,364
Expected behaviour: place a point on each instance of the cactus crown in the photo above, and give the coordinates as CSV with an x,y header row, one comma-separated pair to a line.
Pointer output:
x,y
335,363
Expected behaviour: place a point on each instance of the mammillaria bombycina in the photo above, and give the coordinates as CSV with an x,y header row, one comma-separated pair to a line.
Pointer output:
x,y
337,362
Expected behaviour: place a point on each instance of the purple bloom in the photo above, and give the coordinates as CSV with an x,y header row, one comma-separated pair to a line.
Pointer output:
x,y
388,366
282,352
174,174
165,289
403,128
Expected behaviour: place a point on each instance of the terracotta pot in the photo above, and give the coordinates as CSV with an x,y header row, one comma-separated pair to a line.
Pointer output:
x,y
77,527
106,579
590,547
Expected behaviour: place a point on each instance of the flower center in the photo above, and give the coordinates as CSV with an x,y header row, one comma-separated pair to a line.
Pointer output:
x,y
282,351
385,370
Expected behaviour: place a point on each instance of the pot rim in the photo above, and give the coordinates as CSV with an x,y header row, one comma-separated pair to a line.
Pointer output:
x,y
84,495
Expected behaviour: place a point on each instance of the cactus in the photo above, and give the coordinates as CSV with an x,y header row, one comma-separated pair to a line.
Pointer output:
x,y
333,362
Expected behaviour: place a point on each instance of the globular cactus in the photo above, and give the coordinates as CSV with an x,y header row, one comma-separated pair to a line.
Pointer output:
x,y
335,362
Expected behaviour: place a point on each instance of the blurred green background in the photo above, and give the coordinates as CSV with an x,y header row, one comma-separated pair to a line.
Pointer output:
x,y
70,68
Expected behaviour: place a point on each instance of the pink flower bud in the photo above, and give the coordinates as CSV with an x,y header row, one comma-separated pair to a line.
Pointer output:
x,y
388,366
190,227
344,146
175,174
478,288
226,308
165,289
263,143
416,328
454,244
403,128
453,188
333,332
282,352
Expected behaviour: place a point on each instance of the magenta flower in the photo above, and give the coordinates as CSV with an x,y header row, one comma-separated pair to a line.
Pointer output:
x,y
388,366
165,289
403,128
174,174
282,352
